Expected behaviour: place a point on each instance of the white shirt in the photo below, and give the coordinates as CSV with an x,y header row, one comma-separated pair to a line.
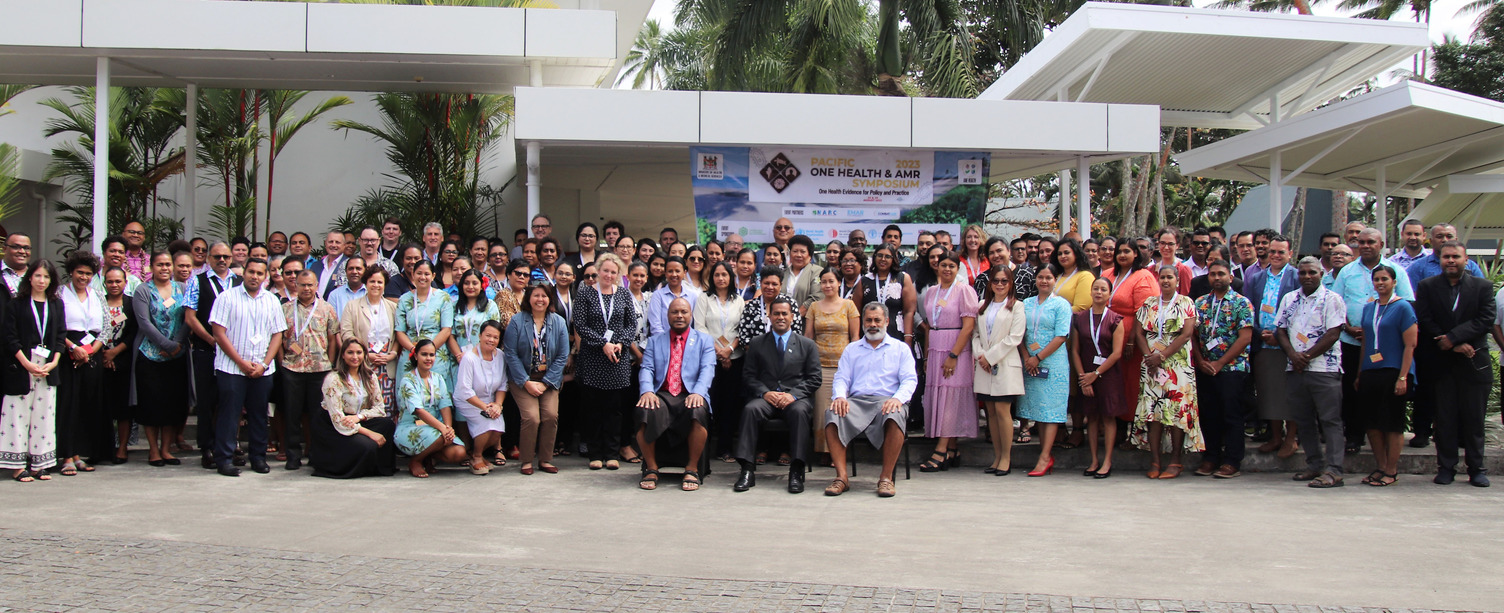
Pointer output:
x,y
1307,318
82,316
886,370
478,378
249,324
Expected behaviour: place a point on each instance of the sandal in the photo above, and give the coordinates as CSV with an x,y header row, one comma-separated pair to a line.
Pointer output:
x,y
936,463
1153,470
41,475
1173,471
83,467
22,476
1073,441
1373,476
726,457
1325,481
479,467
595,465
649,480
762,458
1023,437
691,481
500,460
837,487
784,459
68,470
1385,480
612,465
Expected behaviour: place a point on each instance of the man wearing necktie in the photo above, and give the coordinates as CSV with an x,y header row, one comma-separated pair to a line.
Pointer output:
x,y
677,367
781,374
1455,311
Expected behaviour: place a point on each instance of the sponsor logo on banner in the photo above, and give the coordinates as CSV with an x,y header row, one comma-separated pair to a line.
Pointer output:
x,y
812,211
710,166
969,172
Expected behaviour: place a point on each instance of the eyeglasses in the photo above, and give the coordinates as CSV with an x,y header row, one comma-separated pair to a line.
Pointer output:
x,y
498,254
587,236
539,226
220,257
18,247
1200,243
199,249
451,252
136,232
783,227
883,256
696,258
590,277
1166,243
520,273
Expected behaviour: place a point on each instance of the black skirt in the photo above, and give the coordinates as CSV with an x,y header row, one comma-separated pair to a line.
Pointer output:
x,y
161,392
1382,410
117,388
337,456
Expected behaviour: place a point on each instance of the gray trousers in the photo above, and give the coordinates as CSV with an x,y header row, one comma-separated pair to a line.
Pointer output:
x,y
1316,399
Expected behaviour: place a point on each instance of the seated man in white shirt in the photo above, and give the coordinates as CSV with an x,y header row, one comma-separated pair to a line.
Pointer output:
x,y
870,395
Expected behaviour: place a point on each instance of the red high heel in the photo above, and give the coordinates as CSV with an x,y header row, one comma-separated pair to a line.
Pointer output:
x,y
1047,469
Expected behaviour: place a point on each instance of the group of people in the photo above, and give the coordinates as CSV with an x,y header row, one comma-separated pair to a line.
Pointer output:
x,y
470,353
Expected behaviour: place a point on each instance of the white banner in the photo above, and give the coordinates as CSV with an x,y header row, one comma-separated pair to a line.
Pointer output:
x,y
841,176
824,232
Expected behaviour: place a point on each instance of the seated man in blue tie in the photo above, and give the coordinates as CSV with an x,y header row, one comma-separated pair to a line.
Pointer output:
x,y
870,396
781,374
677,366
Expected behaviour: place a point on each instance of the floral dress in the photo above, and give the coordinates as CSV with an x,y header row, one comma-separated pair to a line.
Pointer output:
x,y
1168,395
432,395
421,320
467,325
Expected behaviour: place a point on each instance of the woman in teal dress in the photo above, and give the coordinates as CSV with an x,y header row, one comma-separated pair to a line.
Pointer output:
x,y
471,309
160,391
1047,367
425,314
425,429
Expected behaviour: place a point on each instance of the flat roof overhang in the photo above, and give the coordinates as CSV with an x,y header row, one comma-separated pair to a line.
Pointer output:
x,y
1472,203
1025,138
1247,65
342,47
1398,141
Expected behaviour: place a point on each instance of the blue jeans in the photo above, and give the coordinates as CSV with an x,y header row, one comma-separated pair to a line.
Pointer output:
x,y
238,391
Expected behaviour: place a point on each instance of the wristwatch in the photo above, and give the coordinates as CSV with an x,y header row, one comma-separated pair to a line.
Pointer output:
x,y
952,355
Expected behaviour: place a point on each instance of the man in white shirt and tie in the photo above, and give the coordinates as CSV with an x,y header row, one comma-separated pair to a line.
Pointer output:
x,y
870,395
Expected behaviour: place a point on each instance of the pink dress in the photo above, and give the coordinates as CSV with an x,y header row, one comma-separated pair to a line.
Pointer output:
x,y
950,405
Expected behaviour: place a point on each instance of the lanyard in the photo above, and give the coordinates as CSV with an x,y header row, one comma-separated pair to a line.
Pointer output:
x,y
992,311
1038,312
300,330
1117,283
846,291
1378,317
767,323
218,289
568,308
940,302
608,304
538,342
882,285
1164,309
1095,326
724,306
41,321
1217,309
1056,291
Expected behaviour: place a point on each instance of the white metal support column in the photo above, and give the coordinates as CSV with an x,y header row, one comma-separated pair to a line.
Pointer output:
x,y
1276,191
1083,197
1381,199
534,154
1065,202
101,149
190,164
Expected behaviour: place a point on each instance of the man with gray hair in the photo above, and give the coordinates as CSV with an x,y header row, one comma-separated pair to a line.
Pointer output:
x,y
1310,320
433,236
870,396
1355,284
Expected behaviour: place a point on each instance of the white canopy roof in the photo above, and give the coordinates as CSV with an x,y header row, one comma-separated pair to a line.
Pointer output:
x,y
1399,140
1472,203
312,45
1245,65
1026,138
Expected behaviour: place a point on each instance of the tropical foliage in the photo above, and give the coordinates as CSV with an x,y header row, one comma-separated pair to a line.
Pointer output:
x,y
438,143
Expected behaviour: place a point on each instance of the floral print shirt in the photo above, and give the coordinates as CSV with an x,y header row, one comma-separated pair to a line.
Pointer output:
x,y
1218,321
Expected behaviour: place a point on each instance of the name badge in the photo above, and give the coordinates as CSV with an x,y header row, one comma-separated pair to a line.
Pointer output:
x,y
168,302
609,334
1302,338
256,339
118,319
1099,360
88,339
1376,358
1268,308
1158,346
41,353
1034,347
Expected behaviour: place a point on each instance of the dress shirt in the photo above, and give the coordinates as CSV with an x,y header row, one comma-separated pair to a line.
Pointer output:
x,y
249,323
12,277
1403,258
884,370
190,300
1430,266
1197,269
337,267
1307,318
1355,285
719,319
658,306
342,295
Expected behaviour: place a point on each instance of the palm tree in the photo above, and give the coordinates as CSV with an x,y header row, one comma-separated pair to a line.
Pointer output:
x,y
645,61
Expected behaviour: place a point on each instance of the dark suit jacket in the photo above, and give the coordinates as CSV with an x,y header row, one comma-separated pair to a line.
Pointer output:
x,y
799,374
18,332
1470,323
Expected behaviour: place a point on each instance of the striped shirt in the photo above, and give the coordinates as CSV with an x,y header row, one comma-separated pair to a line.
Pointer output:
x,y
249,324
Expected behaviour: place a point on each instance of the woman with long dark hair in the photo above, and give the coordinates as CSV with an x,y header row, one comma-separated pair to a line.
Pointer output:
x,y
950,410
717,313
34,336
425,430
479,391
354,437
998,377
537,348
695,267
896,291
1132,284
373,322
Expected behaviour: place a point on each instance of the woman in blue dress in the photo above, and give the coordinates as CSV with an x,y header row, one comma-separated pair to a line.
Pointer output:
x,y
425,429
425,313
1047,368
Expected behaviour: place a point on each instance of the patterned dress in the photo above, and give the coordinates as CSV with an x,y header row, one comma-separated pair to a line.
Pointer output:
x,y
467,325
414,436
1045,398
950,407
1168,395
421,320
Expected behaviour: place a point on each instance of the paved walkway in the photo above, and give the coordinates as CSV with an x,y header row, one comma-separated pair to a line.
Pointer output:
x,y
136,537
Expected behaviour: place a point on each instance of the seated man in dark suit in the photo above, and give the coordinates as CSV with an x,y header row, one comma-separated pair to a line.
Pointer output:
x,y
782,373
677,366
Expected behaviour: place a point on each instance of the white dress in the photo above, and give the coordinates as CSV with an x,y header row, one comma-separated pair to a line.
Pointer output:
x,y
480,378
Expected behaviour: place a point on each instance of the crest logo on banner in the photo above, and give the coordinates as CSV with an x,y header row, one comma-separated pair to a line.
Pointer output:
x,y
780,172
711,166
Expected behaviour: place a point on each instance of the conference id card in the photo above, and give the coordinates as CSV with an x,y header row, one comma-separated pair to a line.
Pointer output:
x,y
118,319
609,334
1302,338
1034,347
88,339
1268,308
1159,346
1099,360
1376,358
168,302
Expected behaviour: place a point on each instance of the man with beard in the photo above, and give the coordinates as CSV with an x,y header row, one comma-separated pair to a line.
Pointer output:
x,y
1224,328
1455,311
870,396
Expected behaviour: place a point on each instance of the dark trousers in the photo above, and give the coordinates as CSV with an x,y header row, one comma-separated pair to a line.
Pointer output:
x,y
1461,396
796,417
725,398
1423,405
78,408
302,394
601,426
206,397
1352,406
1222,416
237,391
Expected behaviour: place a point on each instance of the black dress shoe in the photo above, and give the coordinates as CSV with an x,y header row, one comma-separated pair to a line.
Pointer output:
x,y
229,470
260,466
1419,441
294,462
157,463
116,460
1477,480
173,461
207,461
796,480
1444,477
746,481
239,458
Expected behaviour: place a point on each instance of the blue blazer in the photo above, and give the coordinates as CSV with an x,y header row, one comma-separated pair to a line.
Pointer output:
x,y
517,345
697,371
1254,283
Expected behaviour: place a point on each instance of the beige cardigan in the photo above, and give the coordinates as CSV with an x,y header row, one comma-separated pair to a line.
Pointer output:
x,y
356,324
1001,348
